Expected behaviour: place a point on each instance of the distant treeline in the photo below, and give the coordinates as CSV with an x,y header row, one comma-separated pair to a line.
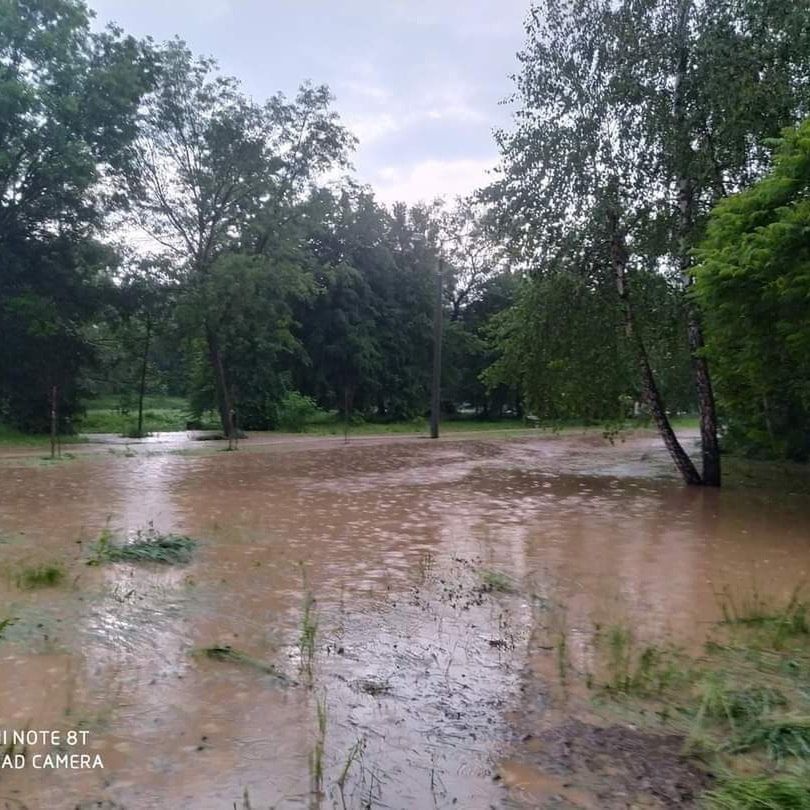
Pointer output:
x,y
162,232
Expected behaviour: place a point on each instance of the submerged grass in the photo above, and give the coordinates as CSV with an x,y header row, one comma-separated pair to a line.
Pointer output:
x,y
632,670
308,632
497,582
147,545
308,636
755,611
227,654
316,756
40,576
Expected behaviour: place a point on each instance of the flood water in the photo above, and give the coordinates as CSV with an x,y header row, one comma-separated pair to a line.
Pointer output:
x,y
427,562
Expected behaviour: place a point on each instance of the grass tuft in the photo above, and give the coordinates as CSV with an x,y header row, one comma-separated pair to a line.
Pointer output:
x,y
648,671
145,546
737,706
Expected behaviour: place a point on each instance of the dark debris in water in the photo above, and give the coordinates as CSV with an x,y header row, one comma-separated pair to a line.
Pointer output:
x,y
373,686
227,654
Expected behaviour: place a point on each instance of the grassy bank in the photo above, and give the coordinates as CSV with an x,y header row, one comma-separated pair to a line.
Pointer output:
x,y
159,414
14,438
169,414
332,425
742,707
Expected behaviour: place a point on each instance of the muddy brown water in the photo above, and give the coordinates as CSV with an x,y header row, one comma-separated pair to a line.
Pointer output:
x,y
427,562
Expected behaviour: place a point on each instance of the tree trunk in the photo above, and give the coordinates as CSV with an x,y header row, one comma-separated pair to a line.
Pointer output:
x,y
710,446
652,396
54,420
144,363
435,391
224,402
348,405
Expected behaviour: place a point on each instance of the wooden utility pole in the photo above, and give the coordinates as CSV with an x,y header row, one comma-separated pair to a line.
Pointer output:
x,y
435,389
144,368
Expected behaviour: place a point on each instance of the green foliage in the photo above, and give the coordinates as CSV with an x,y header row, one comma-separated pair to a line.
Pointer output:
x,y
367,331
596,134
249,301
564,374
753,284
295,411
111,415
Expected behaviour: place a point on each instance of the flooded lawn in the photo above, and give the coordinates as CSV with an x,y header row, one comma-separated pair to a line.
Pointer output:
x,y
371,624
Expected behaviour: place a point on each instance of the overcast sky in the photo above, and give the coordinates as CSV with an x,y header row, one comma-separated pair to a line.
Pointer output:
x,y
420,82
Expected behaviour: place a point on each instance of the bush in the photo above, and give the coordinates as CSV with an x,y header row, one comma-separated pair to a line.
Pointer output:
x,y
296,410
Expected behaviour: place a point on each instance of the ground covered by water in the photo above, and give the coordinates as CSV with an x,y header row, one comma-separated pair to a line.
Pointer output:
x,y
380,623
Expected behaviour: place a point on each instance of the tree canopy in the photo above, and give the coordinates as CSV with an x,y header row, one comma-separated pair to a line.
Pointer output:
x,y
753,283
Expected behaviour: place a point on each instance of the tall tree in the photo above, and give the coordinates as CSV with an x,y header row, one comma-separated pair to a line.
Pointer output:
x,y
577,170
68,110
217,173
669,100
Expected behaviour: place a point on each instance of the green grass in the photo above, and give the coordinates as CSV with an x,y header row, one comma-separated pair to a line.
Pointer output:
x,y
308,635
13,437
740,706
633,670
146,546
160,414
760,793
743,707
332,425
779,737
40,576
